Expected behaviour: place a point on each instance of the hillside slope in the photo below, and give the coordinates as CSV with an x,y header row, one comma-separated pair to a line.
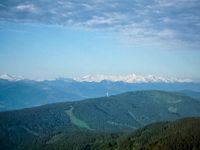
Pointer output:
x,y
182,134
120,113
27,93
192,94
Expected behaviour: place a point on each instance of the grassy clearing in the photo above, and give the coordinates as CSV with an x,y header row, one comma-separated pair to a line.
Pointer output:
x,y
76,121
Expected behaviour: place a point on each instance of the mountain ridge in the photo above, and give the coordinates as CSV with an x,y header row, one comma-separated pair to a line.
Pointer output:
x,y
48,125
130,78
29,93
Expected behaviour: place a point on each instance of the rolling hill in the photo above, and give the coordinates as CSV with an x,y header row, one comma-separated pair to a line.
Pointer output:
x,y
193,94
41,126
28,93
181,134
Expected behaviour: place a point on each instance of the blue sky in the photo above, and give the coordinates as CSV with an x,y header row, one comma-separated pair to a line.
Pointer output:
x,y
54,38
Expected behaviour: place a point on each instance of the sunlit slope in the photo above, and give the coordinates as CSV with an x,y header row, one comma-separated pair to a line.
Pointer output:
x,y
120,113
134,109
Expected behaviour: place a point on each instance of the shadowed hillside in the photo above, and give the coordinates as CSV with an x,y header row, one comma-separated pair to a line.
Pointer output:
x,y
182,134
49,124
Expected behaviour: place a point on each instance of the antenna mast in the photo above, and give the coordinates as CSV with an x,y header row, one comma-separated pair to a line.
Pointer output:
x,y
107,94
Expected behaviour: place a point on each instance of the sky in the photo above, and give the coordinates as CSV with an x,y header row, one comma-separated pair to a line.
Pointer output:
x,y
44,39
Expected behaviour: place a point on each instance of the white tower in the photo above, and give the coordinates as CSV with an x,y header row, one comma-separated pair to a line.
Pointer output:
x,y
107,94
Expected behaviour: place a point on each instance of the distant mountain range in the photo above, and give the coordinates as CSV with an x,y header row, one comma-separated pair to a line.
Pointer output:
x,y
10,77
61,125
17,92
131,78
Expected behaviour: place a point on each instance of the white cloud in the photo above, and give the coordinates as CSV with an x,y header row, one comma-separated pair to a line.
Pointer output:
x,y
167,20
156,20
97,20
104,19
27,8
167,34
87,6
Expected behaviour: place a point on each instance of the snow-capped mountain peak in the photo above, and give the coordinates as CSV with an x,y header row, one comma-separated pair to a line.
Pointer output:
x,y
10,77
131,78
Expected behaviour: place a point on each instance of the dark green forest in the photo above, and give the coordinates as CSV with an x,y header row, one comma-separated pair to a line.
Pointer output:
x,y
132,120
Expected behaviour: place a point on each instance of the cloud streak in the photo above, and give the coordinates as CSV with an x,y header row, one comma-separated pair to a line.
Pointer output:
x,y
26,8
175,21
